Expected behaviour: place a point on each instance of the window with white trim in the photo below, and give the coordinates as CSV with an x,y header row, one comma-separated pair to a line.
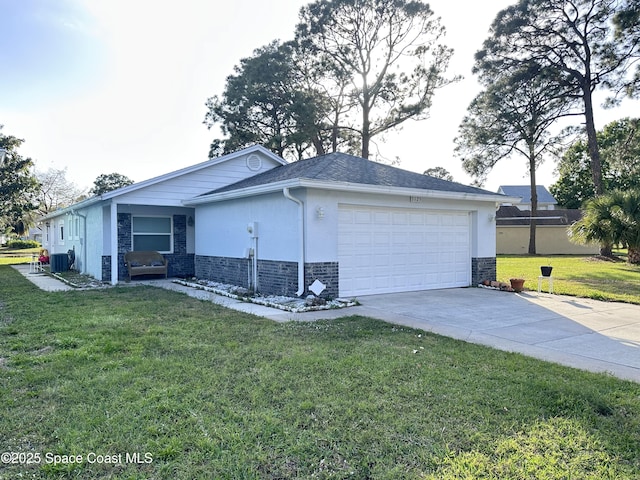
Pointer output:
x,y
61,232
152,233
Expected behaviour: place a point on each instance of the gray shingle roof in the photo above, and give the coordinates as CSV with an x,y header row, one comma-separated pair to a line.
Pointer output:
x,y
524,192
340,167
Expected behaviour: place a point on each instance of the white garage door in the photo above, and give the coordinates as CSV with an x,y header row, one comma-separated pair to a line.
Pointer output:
x,y
384,250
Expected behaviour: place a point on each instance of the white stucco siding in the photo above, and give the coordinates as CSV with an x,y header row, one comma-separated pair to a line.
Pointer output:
x,y
321,225
221,228
106,230
322,233
174,190
82,233
92,247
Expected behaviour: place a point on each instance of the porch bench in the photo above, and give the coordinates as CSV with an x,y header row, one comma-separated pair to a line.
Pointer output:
x,y
145,263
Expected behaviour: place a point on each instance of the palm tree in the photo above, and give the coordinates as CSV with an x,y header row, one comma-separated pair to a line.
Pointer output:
x,y
611,219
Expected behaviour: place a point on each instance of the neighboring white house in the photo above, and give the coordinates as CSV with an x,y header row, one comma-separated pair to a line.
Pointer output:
x,y
250,219
546,201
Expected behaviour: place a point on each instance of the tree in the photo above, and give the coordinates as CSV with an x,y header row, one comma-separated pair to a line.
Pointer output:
x,y
387,54
619,144
56,191
439,172
627,29
109,181
613,218
18,187
512,116
574,38
267,102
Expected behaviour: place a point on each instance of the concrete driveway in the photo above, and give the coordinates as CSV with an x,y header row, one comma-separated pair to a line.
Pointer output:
x,y
582,333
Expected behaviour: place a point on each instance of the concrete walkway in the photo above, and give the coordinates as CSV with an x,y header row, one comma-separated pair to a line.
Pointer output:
x,y
581,333
42,280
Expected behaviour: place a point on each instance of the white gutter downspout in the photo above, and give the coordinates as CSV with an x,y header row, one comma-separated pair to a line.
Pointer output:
x,y
288,195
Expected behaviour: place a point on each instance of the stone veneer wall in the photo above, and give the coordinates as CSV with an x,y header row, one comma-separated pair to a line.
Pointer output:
x,y
106,268
278,277
125,243
274,277
233,271
181,263
483,269
327,273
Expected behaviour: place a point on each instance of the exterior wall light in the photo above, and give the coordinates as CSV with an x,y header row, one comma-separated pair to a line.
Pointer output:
x,y
320,213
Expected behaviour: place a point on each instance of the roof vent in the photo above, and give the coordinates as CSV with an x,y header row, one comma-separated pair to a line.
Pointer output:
x,y
254,162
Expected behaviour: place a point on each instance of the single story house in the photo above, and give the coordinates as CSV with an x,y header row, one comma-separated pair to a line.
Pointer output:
x,y
512,232
344,224
546,201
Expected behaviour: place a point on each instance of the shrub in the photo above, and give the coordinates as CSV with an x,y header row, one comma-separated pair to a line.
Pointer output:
x,y
19,244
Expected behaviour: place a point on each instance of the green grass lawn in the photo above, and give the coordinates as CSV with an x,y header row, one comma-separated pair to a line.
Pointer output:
x,y
213,393
582,276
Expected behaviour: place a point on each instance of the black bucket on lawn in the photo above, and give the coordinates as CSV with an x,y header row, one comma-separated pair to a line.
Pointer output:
x,y
546,271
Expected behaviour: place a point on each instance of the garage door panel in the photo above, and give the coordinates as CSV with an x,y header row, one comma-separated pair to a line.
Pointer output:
x,y
362,217
393,249
446,220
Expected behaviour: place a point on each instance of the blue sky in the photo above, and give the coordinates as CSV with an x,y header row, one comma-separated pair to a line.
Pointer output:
x,y
48,52
102,86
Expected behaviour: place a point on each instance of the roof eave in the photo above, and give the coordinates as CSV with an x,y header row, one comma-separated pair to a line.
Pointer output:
x,y
76,206
167,176
347,187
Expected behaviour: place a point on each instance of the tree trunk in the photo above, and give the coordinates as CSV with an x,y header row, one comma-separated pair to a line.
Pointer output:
x,y
634,255
594,155
606,250
592,142
366,136
366,122
534,200
317,144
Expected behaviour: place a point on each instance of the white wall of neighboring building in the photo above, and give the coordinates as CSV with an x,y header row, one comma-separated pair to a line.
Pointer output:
x,y
550,240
